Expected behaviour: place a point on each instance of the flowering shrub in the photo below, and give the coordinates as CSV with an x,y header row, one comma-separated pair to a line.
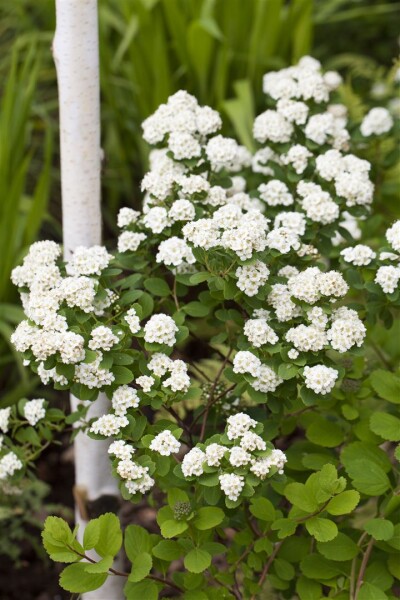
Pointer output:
x,y
234,313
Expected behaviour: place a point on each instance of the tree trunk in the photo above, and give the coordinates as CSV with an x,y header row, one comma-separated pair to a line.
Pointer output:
x,y
76,55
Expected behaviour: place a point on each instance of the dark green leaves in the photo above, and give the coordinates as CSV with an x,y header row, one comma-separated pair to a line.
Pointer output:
x,y
386,385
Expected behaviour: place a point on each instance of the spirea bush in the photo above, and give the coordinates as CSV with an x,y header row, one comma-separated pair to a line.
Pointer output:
x,y
228,331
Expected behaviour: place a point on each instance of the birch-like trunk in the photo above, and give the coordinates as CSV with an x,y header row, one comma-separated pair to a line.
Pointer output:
x,y
76,55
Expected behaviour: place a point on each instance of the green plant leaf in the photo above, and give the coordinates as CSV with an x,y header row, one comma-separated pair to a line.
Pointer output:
x,y
371,592
386,385
325,433
263,509
197,560
100,567
157,286
315,566
341,548
145,590
110,538
300,496
91,534
323,530
75,579
385,425
167,550
308,589
380,529
136,541
208,517
171,528
141,567
343,503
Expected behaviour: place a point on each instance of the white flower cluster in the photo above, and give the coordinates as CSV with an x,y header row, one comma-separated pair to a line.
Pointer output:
x,y
136,478
109,425
160,329
124,398
258,332
376,122
249,450
5,414
320,379
252,277
165,443
46,332
34,411
359,255
160,364
9,463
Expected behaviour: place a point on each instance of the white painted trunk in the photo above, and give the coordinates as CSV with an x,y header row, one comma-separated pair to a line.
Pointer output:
x,y
76,56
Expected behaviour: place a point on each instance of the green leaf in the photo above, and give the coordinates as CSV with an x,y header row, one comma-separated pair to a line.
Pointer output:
x,y
157,286
370,592
285,527
323,530
110,538
171,528
299,496
364,451
308,589
386,385
208,517
197,560
263,509
196,309
368,478
141,567
284,569
341,548
343,503
75,579
315,566
137,540
145,590
167,550
58,530
325,433
100,567
122,375
91,534
60,553
385,425
380,529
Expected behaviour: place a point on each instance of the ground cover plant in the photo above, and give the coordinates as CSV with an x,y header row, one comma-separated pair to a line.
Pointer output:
x,y
229,332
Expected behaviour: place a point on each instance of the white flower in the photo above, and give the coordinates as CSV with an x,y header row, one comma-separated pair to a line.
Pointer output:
x,y
192,463
78,291
262,466
4,418
214,454
258,332
88,261
128,469
320,379
346,330
174,251
9,463
165,443
238,425
306,339
332,284
275,192
133,320
359,256
297,156
231,485
271,125
123,398
267,380
251,441
183,145
182,210
156,219
283,239
393,236
121,450
159,364
34,411
129,241
319,127
102,338
295,112
160,329
142,485
252,277
92,375
246,362
146,382
109,425
376,122
388,278
239,457
127,216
